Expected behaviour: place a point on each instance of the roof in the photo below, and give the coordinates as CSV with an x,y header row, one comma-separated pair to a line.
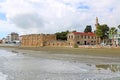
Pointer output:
x,y
82,33
13,33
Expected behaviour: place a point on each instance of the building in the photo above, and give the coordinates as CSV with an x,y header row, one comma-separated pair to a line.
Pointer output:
x,y
4,40
81,38
13,37
116,39
96,28
37,40
97,23
57,43
0,41
73,38
20,38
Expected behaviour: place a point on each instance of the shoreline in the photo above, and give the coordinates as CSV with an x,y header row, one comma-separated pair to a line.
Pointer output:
x,y
88,56
114,52
78,46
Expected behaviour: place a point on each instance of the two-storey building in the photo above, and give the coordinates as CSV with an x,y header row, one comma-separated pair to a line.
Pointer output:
x,y
116,39
81,38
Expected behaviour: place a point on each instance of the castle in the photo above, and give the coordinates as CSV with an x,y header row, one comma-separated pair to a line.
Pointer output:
x,y
73,38
36,40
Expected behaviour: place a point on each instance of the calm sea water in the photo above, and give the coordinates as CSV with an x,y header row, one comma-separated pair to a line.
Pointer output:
x,y
17,66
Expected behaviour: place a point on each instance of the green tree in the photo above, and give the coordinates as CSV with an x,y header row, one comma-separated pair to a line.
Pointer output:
x,y
62,35
119,26
105,30
99,33
112,32
102,32
74,31
88,29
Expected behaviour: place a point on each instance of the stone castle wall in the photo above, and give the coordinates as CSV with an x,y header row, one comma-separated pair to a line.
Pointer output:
x,y
57,43
39,40
36,40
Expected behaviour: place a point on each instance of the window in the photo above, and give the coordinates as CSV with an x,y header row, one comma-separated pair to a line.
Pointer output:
x,y
85,37
72,36
69,36
88,37
95,37
92,37
78,36
81,36
78,42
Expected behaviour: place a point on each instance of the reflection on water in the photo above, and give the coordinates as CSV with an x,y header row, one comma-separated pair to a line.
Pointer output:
x,y
111,67
13,51
14,65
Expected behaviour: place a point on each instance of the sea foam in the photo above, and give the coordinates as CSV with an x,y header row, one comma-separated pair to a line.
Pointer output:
x,y
3,76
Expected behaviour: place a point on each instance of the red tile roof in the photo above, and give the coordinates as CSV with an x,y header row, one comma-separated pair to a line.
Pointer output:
x,y
82,33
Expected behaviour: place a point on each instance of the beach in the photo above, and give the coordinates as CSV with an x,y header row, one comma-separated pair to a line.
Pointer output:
x,y
59,63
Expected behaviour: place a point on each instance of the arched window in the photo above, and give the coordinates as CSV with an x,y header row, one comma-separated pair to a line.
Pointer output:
x,y
72,36
78,42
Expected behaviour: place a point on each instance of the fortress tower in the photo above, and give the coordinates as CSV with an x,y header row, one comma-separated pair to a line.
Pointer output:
x,y
97,23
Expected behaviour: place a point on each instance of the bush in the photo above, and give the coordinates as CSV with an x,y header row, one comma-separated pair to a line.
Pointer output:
x,y
75,46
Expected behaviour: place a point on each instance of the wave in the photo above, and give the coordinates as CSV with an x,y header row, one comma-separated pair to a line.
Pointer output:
x,y
3,76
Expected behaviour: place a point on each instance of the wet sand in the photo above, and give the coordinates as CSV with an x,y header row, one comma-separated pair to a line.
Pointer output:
x,y
50,63
110,52
81,54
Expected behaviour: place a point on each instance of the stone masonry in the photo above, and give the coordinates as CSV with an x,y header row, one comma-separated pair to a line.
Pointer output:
x,y
37,40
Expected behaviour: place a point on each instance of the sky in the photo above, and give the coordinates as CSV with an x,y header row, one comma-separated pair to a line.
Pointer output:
x,y
51,16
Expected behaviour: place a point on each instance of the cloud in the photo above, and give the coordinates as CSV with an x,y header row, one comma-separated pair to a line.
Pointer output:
x,y
50,16
6,28
27,21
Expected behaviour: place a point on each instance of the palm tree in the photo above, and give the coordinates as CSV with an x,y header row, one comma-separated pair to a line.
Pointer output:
x,y
112,32
119,26
102,32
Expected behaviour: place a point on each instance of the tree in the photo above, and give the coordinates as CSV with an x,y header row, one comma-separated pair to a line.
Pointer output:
x,y
88,29
74,31
102,32
98,33
119,26
105,30
62,35
112,32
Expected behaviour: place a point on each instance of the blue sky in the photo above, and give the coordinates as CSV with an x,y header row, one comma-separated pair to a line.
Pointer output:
x,y
3,16
50,16
2,0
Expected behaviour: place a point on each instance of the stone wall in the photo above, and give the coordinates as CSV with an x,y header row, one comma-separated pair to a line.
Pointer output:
x,y
57,43
37,40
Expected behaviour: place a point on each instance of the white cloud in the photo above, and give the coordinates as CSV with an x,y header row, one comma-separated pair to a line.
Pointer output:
x,y
50,16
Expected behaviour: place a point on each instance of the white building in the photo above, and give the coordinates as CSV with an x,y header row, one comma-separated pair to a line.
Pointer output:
x,y
4,40
117,39
13,37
